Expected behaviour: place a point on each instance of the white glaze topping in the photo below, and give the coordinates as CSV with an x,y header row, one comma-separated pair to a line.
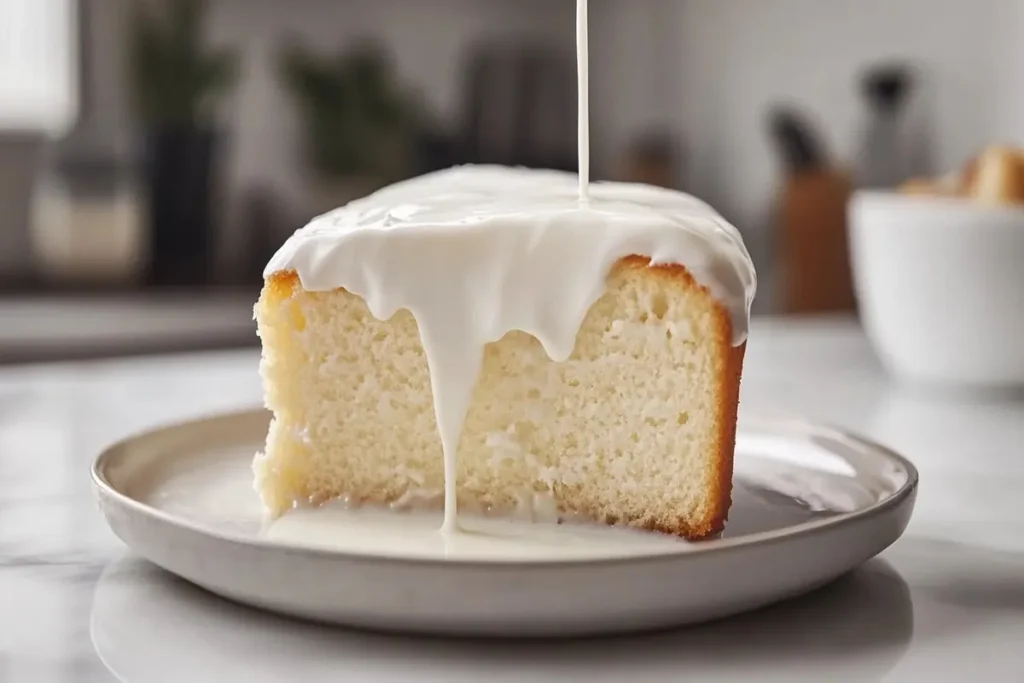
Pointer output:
x,y
512,227
475,252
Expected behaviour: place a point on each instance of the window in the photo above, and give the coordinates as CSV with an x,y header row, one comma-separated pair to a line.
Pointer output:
x,y
38,72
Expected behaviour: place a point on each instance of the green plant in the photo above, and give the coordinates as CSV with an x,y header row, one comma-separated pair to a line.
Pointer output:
x,y
176,80
355,118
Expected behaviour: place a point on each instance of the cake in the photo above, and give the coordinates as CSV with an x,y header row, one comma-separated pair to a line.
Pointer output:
x,y
995,177
484,329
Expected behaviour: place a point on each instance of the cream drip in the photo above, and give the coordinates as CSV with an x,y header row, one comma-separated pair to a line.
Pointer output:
x,y
583,98
475,252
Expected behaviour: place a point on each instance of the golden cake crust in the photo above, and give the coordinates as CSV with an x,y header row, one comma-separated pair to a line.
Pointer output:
x,y
282,285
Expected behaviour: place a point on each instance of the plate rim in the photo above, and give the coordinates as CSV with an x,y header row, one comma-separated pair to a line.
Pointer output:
x,y
904,494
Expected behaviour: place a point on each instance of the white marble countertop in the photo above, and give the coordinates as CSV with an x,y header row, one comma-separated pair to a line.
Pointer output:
x,y
945,603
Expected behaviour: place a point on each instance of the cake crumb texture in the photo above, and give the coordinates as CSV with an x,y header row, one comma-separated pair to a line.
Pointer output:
x,y
637,427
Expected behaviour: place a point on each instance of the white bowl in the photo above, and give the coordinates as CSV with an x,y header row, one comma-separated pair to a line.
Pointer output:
x,y
940,284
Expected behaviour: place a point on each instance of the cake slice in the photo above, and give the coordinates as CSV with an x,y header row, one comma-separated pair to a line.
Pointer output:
x,y
635,427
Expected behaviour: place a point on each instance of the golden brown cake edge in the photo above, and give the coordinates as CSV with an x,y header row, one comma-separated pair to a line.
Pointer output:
x,y
282,284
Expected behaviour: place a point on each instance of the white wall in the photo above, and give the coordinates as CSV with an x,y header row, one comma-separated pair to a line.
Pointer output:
x,y
736,57
709,68
634,82
428,40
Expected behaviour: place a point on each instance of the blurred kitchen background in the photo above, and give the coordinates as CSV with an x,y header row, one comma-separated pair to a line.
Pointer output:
x,y
154,153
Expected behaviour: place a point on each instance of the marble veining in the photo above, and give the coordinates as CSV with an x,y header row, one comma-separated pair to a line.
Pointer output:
x,y
945,603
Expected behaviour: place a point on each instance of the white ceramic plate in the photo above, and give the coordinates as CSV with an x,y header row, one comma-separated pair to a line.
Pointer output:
x,y
810,504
